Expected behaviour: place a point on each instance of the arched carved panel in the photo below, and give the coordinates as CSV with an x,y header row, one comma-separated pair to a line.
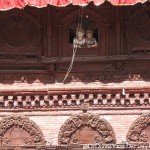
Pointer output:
x,y
70,21
19,130
19,34
139,132
138,32
86,128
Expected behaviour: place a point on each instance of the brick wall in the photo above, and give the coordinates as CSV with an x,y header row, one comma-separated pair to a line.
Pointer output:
x,y
51,122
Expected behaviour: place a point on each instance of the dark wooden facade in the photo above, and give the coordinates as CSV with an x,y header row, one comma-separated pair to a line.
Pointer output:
x,y
36,51
35,44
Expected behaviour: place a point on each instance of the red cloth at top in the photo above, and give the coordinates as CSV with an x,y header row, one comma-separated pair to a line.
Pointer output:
x,y
8,4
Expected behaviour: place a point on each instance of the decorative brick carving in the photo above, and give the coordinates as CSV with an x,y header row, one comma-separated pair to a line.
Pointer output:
x,y
20,130
86,128
41,148
65,99
139,131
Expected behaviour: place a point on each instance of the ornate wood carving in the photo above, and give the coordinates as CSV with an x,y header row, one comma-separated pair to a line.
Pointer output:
x,y
139,132
138,32
86,128
19,35
19,130
71,21
27,77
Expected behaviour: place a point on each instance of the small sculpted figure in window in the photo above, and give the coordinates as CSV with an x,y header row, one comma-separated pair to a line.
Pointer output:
x,y
79,40
90,40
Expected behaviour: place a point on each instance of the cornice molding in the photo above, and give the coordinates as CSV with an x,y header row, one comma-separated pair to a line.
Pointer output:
x,y
70,114
73,98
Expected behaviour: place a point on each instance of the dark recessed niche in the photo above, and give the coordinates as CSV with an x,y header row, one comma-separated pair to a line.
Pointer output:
x,y
95,34
72,35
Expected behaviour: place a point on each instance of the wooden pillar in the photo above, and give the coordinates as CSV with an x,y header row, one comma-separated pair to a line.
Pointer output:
x,y
49,31
107,39
118,30
121,31
59,41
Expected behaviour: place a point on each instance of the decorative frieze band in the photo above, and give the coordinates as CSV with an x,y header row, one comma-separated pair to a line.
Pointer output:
x,y
75,101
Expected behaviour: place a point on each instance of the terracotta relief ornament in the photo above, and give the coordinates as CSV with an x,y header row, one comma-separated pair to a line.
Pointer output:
x,y
20,130
86,128
139,132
